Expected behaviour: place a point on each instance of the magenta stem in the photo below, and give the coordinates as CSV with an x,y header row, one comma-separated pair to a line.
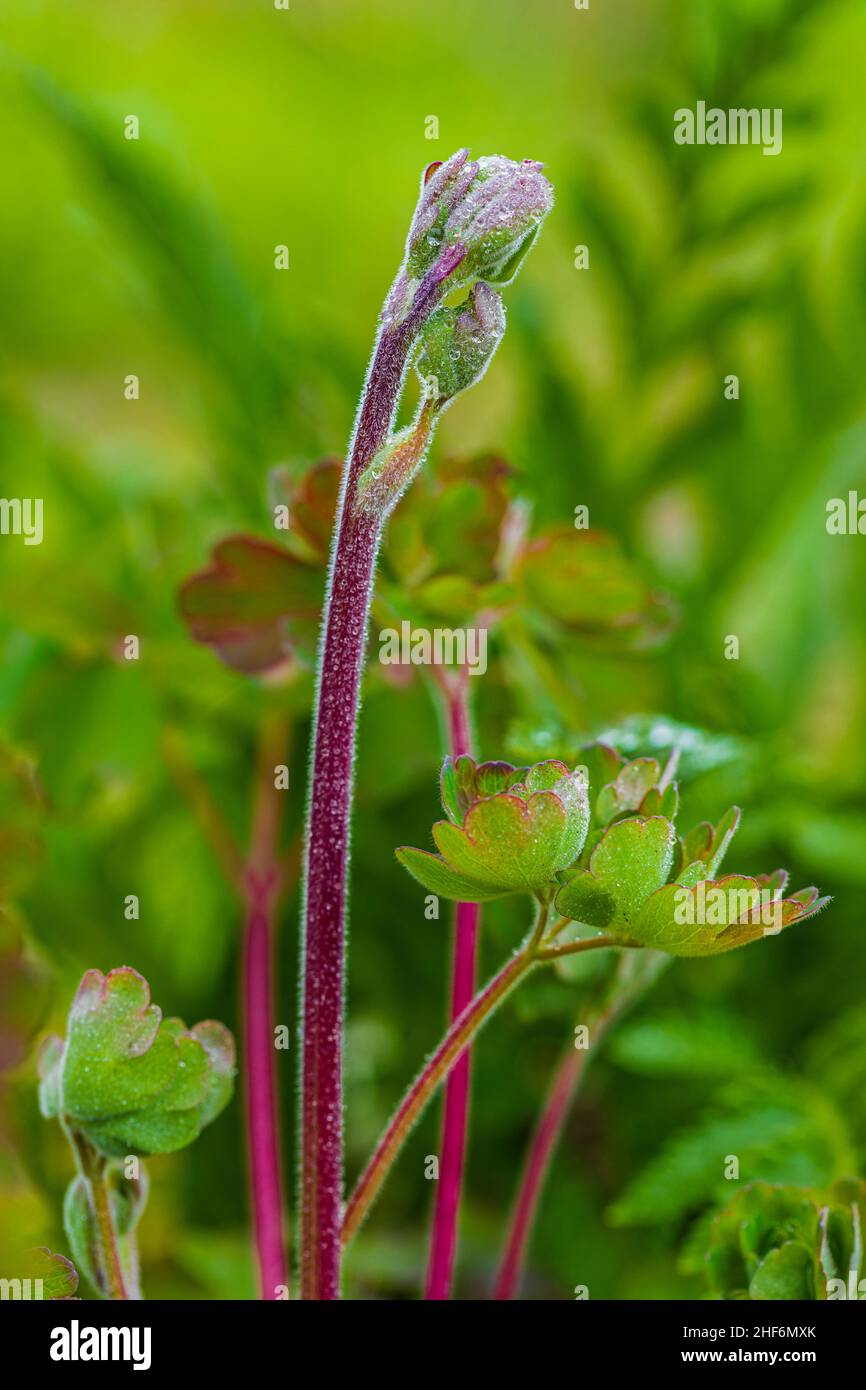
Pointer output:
x,y
455,1113
635,972
436,1068
263,883
265,1169
340,663
543,1144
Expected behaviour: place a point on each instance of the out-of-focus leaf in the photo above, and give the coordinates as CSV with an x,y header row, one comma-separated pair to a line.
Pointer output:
x,y
312,506
255,604
24,993
779,1131
128,1080
700,750
58,1274
702,1043
23,804
445,542
583,579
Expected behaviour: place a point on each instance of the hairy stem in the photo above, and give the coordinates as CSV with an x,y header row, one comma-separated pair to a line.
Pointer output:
x,y
455,1113
115,1283
460,1033
357,535
92,1167
634,973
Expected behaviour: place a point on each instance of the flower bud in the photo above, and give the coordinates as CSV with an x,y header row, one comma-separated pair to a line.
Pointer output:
x,y
488,210
457,344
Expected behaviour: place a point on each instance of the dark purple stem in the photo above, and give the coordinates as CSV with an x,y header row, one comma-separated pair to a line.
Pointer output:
x,y
340,663
455,1114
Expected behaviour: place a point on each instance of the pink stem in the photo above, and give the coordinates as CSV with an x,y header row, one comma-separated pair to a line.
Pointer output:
x,y
266,1184
328,822
263,883
635,973
544,1141
435,1070
455,1115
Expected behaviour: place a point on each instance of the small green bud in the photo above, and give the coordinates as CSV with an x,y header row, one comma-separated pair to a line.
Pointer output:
x,y
384,481
457,344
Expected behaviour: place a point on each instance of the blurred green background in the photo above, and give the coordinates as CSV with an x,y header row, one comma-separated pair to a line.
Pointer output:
x,y
306,128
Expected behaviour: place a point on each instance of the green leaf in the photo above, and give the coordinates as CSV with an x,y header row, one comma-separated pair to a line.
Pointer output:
x,y
710,843
506,842
632,785
583,579
632,858
499,841
787,1273
128,1080
764,1245
699,1043
661,803
715,916
843,1222
80,1226
463,782
58,1274
437,876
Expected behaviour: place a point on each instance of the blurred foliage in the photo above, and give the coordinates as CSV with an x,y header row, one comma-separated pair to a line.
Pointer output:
x,y
306,127
787,1243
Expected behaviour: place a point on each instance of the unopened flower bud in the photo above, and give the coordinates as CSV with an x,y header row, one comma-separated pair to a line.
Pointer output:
x,y
489,210
458,343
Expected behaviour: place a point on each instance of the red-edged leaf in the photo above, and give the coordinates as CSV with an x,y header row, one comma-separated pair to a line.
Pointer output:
x,y
255,604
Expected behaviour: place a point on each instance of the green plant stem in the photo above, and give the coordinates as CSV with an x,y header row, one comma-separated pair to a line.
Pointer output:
x,y
572,948
459,1035
92,1166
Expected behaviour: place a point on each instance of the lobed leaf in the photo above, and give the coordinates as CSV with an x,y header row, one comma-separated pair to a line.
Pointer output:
x,y
128,1080
255,604
630,861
